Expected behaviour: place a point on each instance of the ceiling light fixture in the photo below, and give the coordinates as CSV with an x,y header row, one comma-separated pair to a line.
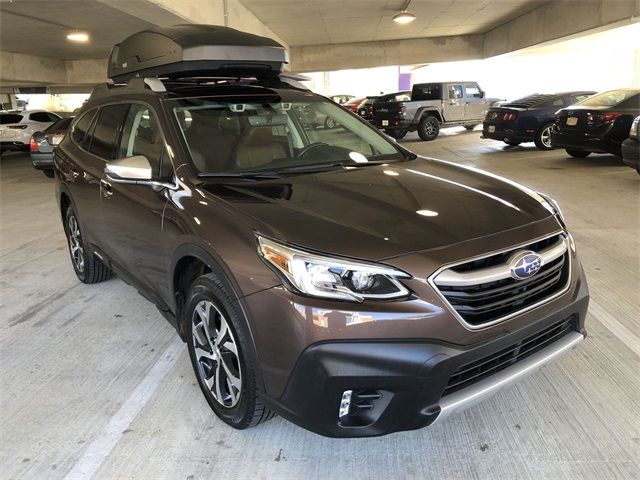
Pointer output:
x,y
404,17
79,37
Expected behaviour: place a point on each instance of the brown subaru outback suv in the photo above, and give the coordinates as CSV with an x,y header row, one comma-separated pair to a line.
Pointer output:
x,y
328,275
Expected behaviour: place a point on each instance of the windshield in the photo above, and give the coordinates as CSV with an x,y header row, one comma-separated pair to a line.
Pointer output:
x,y
609,99
241,135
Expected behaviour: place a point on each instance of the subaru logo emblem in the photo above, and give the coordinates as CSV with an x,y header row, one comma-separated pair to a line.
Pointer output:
x,y
525,264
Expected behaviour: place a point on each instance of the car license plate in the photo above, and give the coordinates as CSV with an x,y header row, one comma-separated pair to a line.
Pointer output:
x,y
492,128
385,123
572,121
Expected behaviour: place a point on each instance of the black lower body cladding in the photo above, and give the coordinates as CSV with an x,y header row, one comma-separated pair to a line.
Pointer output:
x,y
631,153
396,386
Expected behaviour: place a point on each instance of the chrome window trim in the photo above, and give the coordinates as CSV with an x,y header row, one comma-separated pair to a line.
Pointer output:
x,y
468,326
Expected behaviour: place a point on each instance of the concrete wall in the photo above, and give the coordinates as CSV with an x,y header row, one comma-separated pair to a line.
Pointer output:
x,y
556,20
21,69
392,52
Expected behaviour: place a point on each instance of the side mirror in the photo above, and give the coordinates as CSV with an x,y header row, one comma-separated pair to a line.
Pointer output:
x,y
136,169
482,94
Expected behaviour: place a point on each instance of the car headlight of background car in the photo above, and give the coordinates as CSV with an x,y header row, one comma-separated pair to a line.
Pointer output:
x,y
325,277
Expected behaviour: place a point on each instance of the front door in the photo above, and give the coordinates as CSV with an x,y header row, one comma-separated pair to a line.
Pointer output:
x,y
475,104
454,105
132,213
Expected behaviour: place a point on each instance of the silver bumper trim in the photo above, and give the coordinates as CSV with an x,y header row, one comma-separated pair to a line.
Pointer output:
x,y
467,397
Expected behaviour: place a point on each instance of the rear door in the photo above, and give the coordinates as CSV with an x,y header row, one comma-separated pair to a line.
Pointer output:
x,y
131,214
454,103
475,105
82,168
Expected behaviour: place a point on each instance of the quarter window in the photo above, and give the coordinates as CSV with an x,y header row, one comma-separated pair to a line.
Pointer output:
x,y
81,128
142,136
110,120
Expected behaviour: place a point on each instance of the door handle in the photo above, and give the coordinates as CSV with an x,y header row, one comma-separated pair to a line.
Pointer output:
x,y
106,189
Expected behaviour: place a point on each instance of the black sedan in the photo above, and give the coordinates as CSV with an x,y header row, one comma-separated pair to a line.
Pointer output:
x,y
598,124
528,119
42,144
631,146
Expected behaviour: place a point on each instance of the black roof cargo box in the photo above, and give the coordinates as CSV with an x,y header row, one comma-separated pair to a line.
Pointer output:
x,y
195,50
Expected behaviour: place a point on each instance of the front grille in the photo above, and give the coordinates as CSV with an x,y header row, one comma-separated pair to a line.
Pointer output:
x,y
477,370
488,301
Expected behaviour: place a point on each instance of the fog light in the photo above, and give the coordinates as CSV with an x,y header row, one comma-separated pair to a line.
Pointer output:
x,y
345,403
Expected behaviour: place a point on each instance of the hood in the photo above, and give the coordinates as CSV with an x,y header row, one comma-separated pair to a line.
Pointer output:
x,y
379,212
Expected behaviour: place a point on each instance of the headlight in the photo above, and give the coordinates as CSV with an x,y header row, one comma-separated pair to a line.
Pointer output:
x,y
553,207
326,277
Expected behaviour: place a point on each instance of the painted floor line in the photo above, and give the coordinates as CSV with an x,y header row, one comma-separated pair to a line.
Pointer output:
x,y
98,450
625,335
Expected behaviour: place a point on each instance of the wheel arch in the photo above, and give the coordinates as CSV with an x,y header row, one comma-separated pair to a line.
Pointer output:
x,y
428,111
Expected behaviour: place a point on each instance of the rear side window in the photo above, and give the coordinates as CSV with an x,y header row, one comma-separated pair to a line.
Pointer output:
x,y
8,118
110,120
81,128
579,98
142,136
40,117
430,91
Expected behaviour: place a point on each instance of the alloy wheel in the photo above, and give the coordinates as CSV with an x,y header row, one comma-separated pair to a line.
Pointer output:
x,y
216,352
430,128
75,243
545,137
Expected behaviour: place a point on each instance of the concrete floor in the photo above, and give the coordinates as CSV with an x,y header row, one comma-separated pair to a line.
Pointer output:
x,y
94,381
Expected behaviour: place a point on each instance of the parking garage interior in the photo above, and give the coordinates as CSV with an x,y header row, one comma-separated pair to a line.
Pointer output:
x,y
94,383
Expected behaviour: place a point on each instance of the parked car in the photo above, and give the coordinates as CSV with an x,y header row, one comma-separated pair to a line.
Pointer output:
x,y
631,146
16,128
341,99
431,107
598,124
528,119
365,109
331,276
352,105
42,144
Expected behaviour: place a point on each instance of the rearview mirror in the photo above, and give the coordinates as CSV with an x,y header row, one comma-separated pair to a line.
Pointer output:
x,y
130,169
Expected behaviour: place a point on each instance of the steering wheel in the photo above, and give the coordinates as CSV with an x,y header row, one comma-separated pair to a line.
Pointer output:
x,y
312,146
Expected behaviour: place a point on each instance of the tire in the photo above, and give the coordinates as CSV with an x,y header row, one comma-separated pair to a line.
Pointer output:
x,y
330,123
578,153
48,173
471,127
429,128
512,143
397,134
89,268
234,380
543,137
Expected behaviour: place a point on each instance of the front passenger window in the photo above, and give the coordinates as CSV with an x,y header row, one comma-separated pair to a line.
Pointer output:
x,y
142,136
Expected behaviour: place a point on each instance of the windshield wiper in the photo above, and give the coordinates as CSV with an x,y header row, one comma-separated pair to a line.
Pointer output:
x,y
242,175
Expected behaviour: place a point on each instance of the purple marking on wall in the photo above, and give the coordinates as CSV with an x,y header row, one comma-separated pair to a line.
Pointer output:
x,y
404,81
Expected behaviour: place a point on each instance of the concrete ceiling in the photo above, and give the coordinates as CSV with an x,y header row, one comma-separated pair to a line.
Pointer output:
x,y
322,22
39,28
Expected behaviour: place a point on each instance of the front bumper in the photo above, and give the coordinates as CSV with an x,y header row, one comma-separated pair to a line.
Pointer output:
x,y
400,384
584,142
631,153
